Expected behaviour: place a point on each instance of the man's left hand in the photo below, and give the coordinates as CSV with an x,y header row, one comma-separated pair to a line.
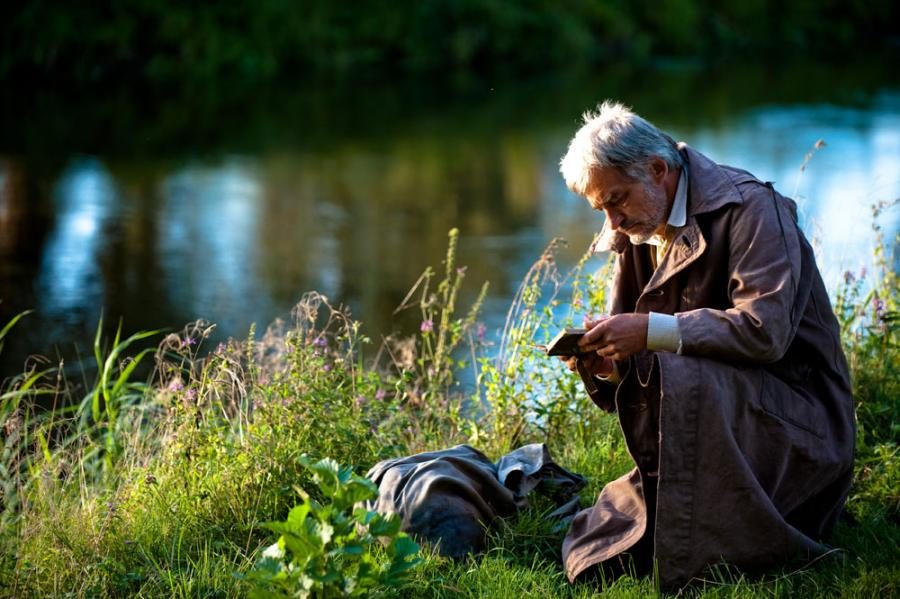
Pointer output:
x,y
617,337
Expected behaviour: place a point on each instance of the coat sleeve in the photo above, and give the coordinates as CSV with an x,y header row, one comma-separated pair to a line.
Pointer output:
x,y
764,264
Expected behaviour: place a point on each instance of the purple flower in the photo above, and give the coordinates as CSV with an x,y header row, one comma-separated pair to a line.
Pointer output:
x,y
360,401
427,326
321,341
188,341
327,368
480,330
380,394
175,386
191,394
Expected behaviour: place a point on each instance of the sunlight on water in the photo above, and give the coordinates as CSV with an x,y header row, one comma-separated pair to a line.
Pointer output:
x,y
237,234
209,239
71,280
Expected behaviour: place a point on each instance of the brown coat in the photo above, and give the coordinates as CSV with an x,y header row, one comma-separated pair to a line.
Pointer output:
x,y
743,444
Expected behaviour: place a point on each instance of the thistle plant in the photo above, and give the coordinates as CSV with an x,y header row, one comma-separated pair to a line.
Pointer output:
x,y
524,388
427,364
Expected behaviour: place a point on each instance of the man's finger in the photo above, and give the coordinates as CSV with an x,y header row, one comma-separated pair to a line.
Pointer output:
x,y
593,336
591,348
607,351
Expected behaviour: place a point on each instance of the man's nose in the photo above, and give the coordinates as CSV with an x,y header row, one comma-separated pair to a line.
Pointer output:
x,y
614,218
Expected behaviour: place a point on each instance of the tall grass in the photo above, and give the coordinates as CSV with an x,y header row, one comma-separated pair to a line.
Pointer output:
x,y
161,488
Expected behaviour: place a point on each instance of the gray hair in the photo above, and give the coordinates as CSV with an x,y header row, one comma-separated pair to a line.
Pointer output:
x,y
615,136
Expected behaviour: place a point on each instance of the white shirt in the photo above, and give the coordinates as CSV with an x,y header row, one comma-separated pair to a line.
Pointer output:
x,y
662,329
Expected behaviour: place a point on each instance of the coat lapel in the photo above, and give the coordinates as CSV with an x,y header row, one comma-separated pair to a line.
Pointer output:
x,y
688,245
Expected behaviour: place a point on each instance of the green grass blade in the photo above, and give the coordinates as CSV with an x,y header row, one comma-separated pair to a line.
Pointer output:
x,y
9,325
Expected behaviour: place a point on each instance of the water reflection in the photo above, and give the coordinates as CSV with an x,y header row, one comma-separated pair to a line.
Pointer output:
x,y
70,282
209,240
235,233
859,166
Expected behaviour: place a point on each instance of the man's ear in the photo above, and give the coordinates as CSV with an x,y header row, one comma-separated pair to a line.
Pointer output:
x,y
658,169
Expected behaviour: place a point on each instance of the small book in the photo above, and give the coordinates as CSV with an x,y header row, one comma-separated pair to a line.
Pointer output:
x,y
566,343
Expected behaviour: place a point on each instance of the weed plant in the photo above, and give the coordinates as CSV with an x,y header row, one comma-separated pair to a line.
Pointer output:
x,y
162,488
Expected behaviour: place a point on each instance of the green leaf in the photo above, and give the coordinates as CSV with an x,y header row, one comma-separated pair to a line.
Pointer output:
x,y
384,526
353,549
325,475
296,519
302,546
356,490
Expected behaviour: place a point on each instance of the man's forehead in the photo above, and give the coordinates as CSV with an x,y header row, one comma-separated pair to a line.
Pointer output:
x,y
605,180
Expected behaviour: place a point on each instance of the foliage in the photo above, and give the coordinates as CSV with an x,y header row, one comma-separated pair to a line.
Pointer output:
x,y
868,310
328,549
523,388
211,447
168,40
425,365
113,391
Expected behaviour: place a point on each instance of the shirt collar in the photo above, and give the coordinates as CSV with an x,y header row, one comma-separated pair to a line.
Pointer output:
x,y
678,213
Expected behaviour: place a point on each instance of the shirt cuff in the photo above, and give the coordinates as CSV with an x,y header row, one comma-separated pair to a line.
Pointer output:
x,y
662,333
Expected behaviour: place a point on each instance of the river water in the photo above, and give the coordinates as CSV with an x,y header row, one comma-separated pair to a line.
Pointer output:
x,y
229,203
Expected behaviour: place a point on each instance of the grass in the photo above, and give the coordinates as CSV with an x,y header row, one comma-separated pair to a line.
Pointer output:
x,y
160,489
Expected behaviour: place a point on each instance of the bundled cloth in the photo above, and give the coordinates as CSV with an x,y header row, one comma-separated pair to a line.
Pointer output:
x,y
449,497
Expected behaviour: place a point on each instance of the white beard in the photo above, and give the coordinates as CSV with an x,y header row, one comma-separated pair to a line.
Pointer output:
x,y
657,216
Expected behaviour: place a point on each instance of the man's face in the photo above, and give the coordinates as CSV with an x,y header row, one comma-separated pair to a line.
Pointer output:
x,y
632,207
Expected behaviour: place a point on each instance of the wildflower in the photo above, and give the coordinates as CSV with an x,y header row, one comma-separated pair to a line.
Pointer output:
x,y
427,326
327,368
188,341
321,341
878,307
480,331
461,271
360,401
176,386
191,394
380,394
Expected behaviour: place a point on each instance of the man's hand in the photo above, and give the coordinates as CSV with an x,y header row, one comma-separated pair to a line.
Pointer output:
x,y
596,365
617,337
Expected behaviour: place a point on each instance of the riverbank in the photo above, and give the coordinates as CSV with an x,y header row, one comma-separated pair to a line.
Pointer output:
x,y
160,488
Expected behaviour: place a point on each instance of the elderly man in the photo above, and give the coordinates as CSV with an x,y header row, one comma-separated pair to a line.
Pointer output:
x,y
721,357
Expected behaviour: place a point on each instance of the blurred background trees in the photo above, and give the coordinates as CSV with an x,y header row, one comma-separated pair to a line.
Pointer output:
x,y
166,39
